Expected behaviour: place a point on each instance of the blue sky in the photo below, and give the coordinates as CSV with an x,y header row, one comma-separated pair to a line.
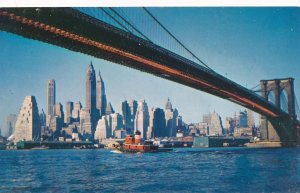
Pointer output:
x,y
243,44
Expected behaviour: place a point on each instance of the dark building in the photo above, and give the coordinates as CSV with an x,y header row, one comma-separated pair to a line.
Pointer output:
x,y
101,97
157,123
51,94
43,118
68,114
133,104
90,97
126,113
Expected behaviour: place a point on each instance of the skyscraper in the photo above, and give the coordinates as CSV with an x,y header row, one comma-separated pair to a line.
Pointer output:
x,y
103,129
141,121
251,122
90,92
68,115
215,127
10,122
157,123
76,111
51,94
109,109
243,119
101,97
89,115
43,118
133,108
171,119
116,122
58,111
28,123
125,111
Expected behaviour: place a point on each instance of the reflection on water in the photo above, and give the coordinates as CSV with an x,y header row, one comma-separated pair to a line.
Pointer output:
x,y
182,170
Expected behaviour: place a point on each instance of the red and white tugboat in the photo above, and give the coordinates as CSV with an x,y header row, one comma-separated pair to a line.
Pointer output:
x,y
134,144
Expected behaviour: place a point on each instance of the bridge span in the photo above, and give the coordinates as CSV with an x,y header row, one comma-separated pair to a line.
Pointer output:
x,y
76,31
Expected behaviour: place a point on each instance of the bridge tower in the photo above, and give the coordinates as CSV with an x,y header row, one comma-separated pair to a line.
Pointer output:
x,y
277,88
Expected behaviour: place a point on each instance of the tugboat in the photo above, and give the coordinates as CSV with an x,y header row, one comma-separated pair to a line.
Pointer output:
x,y
134,144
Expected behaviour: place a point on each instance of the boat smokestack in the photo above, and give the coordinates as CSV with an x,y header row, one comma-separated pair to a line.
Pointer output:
x,y
137,136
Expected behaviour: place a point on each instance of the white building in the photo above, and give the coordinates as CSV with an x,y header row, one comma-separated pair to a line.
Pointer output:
x,y
28,122
141,121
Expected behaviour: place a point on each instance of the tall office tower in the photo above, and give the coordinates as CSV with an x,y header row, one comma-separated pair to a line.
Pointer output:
x,y
89,115
251,121
171,119
206,118
10,123
43,118
57,120
109,109
125,111
101,97
243,119
58,111
51,94
215,127
90,92
28,122
68,115
157,123
133,108
141,121
229,125
179,121
103,130
76,111
116,122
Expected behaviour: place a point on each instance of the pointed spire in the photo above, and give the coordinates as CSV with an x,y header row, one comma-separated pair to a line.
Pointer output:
x,y
109,110
99,75
90,68
169,105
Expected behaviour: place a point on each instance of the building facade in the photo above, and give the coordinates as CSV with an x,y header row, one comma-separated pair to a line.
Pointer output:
x,y
157,123
10,122
101,96
28,122
68,114
51,99
171,119
141,121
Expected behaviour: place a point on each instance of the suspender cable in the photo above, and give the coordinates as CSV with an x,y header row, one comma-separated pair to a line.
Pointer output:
x,y
114,19
179,42
131,25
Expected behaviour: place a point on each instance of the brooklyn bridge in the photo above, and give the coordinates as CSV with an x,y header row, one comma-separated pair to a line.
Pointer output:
x,y
116,39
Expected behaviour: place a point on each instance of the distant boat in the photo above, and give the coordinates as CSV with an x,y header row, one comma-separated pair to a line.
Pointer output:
x,y
40,147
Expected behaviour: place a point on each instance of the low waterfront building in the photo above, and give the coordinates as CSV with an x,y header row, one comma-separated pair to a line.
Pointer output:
x,y
214,141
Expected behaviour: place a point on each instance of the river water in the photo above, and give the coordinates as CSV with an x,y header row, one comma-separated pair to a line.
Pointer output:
x,y
182,170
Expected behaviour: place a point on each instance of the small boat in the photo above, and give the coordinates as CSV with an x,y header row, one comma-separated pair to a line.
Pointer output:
x,y
40,147
134,144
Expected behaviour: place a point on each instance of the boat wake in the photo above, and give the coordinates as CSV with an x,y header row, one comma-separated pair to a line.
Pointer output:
x,y
116,151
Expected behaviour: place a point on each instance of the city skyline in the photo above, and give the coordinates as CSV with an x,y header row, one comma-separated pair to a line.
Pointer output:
x,y
121,82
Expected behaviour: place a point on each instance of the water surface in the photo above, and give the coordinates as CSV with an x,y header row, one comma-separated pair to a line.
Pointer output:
x,y
183,170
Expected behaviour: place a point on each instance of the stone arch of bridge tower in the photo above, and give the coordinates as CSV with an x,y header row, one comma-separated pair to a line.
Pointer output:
x,y
287,85
277,86
283,103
